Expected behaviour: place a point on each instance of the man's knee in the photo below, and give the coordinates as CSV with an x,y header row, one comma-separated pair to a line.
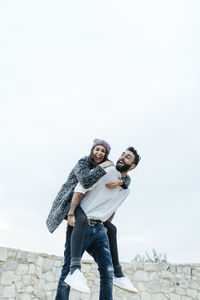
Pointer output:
x,y
106,271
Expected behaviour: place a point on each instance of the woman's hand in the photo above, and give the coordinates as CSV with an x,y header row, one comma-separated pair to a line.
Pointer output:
x,y
106,164
113,184
71,220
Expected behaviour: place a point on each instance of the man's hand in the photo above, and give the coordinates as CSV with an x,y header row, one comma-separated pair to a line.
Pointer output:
x,y
113,184
71,220
106,164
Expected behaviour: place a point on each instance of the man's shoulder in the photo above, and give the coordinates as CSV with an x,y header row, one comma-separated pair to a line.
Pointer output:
x,y
111,169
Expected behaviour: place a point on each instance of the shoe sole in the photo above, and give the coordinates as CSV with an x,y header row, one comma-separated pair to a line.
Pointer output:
x,y
77,289
132,292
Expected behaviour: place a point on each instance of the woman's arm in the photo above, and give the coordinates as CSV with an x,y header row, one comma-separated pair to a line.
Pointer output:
x,y
88,177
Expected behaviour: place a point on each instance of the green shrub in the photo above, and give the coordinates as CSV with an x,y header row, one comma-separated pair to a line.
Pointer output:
x,y
155,258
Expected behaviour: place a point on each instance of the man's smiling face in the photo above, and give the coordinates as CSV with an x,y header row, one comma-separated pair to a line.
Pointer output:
x,y
126,161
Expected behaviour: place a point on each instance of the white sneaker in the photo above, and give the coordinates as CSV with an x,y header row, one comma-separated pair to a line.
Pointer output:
x,y
77,281
125,284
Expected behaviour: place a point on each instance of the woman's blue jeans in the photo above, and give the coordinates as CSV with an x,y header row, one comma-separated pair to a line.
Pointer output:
x,y
97,245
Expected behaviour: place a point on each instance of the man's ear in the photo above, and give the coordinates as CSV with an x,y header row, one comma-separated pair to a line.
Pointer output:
x,y
132,167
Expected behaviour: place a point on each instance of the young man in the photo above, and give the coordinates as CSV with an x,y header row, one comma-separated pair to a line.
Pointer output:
x,y
99,204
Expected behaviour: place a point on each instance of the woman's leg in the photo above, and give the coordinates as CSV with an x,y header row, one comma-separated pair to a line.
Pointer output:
x,y
77,239
112,236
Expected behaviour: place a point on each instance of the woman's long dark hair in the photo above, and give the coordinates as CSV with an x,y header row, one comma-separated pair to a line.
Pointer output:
x,y
92,161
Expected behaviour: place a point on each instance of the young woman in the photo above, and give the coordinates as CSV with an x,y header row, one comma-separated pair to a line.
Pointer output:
x,y
77,218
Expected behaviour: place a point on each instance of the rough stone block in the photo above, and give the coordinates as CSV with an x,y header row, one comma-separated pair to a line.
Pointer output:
x,y
145,296
186,298
158,297
22,269
90,276
49,276
174,296
38,272
153,287
31,269
9,291
47,265
49,295
141,276
27,279
40,261
17,277
25,297
180,291
41,284
141,286
21,256
32,257
195,285
7,277
41,294
12,253
165,282
29,289
57,263
10,265
86,268
192,293
84,296
19,286
151,267
154,276
167,274
75,295
167,290
3,254
50,286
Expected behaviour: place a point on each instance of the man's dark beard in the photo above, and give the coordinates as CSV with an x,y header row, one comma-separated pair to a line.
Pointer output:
x,y
123,168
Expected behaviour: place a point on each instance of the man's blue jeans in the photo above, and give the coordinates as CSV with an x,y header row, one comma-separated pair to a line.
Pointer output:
x,y
97,245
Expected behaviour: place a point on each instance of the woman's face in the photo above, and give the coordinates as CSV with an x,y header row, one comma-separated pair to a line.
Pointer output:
x,y
99,153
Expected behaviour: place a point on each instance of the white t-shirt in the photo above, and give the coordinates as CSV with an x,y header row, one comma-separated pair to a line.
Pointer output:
x,y
99,202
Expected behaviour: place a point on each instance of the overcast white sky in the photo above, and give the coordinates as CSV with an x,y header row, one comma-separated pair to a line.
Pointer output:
x,y
124,71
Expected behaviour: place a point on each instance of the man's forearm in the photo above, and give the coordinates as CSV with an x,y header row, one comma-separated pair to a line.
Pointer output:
x,y
75,202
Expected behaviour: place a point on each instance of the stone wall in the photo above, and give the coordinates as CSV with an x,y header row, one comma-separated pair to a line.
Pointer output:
x,y
26,275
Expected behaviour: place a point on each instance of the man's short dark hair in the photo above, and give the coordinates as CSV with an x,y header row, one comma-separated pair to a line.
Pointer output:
x,y
137,157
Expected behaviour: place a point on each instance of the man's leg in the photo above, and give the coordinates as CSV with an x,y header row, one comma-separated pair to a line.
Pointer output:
x,y
99,249
63,289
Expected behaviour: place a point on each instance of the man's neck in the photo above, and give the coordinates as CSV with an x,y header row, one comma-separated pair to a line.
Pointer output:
x,y
123,173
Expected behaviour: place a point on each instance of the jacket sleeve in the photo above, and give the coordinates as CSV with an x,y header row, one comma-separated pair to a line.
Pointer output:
x,y
85,175
127,181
